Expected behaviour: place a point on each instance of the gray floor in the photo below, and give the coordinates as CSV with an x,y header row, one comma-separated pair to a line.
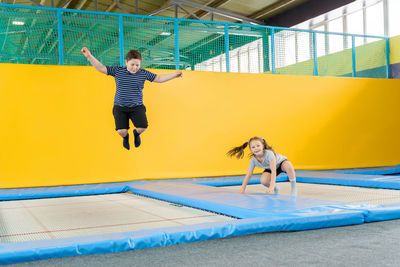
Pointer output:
x,y
372,244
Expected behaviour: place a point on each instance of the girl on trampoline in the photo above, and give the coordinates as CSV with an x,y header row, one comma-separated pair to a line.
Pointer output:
x,y
264,156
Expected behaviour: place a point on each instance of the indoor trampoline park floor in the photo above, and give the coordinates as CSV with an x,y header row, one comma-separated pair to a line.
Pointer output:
x,y
40,223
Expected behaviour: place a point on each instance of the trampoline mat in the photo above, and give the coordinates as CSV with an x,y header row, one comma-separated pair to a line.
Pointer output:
x,y
53,218
349,194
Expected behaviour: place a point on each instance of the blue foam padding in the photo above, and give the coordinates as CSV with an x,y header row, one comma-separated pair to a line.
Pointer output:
x,y
233,180
200,204
225,201
372,171
383,212
375,213
65,191
374,181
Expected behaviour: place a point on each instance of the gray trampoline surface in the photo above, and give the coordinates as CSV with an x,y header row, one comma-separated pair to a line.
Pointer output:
x,y
52,218
348,194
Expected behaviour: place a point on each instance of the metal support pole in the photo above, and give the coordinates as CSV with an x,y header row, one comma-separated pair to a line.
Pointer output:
x,y
121,40
273,51
176,30
315,56
353,56
387,58
227,47
60,39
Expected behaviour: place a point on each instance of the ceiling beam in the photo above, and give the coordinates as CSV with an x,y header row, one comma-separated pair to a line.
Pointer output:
x,y
165,6
219,12
121,6
214,3
110,7
36,3
66,3
271,8
81,4
188,12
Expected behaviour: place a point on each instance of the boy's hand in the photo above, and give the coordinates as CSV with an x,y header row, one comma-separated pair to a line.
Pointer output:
x,y
179,74
85,52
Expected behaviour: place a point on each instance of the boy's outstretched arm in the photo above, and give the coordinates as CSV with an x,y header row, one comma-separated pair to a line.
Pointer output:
x,y
245,181
96,64
166,77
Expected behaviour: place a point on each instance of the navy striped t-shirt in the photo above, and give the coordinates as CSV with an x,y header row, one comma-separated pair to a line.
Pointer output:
x,y
129,91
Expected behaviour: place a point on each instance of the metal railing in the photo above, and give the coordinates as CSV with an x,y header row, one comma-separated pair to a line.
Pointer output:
x,y
43,35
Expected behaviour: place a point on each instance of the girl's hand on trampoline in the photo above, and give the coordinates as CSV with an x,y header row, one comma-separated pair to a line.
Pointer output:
x,y
269,190
241,191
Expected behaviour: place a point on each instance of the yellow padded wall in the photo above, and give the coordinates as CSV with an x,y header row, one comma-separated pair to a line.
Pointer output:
x,y
57,126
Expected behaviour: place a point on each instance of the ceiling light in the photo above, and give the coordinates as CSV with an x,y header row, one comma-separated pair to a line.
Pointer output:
x,y
165,33
15,22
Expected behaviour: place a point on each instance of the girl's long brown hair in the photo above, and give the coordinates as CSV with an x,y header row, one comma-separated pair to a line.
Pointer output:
x,y
238,151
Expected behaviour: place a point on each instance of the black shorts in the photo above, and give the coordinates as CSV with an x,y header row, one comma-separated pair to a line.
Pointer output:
x,y
122,115
278,169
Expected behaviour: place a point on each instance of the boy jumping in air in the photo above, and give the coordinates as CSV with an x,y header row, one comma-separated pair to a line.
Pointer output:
x,y
128,101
